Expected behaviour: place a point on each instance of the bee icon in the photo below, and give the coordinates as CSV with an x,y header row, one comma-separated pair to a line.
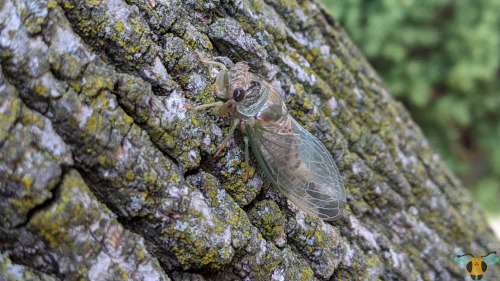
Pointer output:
x,y
293,160
476,267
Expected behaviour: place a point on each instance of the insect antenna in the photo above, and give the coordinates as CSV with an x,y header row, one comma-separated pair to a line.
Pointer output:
x,y
494,252
466,255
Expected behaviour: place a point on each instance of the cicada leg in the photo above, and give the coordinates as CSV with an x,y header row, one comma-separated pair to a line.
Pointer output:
x,y
247,161
228,137
203,106
220,107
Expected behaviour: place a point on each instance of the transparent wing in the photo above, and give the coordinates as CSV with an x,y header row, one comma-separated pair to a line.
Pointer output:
x,y
299,165
460,258
491,258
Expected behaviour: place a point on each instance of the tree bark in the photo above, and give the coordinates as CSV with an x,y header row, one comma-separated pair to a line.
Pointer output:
x,y
106,176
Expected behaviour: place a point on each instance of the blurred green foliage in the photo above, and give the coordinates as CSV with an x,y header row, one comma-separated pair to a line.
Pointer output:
x,y
441,58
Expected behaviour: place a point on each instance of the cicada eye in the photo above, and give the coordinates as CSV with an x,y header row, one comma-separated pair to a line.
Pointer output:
x,y
238,94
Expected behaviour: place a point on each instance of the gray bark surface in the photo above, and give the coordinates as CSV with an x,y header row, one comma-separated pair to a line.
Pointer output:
x,y
104,175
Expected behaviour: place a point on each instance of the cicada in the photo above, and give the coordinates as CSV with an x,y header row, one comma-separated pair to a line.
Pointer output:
x,y
293,160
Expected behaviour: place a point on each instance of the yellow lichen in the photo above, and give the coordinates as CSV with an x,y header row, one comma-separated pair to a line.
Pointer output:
x,y
130,176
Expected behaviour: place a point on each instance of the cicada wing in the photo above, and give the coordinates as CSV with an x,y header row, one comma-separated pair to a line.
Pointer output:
x,y
491,258
460,258
300,167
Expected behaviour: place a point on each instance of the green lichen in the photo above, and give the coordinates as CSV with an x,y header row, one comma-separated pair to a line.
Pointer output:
x,y
129,33
130,176
267,216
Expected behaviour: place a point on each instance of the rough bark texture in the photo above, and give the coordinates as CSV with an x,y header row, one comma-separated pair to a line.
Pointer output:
x,y
105,176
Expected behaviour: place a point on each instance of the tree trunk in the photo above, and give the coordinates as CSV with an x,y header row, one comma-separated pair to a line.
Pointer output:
x,y
106,176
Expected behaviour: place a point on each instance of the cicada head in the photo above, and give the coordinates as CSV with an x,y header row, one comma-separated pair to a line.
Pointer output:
x,y
233,83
